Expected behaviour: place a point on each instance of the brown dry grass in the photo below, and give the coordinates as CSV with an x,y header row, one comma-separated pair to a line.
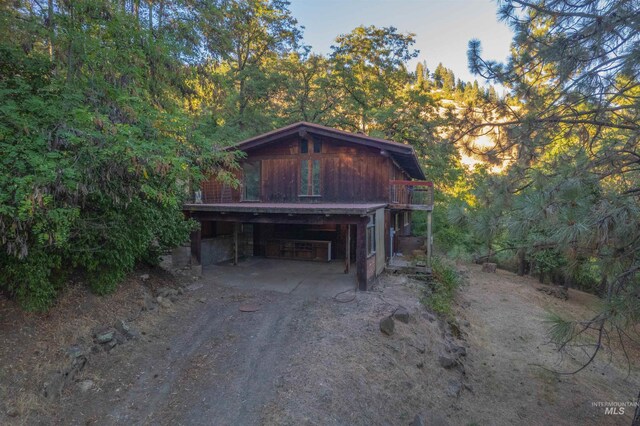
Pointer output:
x,y
34,345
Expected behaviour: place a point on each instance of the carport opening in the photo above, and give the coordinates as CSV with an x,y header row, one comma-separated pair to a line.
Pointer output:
x,y
304,242
301,259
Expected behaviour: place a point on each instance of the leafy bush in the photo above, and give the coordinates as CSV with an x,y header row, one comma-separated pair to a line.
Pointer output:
x,y
95,150
443,287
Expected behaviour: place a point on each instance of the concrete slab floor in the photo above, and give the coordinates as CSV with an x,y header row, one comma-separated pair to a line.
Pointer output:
x,y
302,278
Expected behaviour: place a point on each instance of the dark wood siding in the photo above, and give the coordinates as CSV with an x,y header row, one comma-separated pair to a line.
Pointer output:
x,y
355,178
280,180
348,173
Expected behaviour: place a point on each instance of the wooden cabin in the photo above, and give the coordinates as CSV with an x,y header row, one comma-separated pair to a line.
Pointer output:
x,y
313,193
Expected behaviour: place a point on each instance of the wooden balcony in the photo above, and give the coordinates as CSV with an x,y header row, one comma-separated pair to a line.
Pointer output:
x,y
411,195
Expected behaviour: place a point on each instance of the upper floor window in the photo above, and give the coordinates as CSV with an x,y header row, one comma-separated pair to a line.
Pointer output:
x,y
251,171
304,146
310,167
309,177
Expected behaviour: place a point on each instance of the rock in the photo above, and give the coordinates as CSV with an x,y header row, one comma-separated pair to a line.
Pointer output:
x,y
418,421
202,300
448,361
53,386
105,335
435,419
387,325
401,314
429,316
420,364
85,385
180,290
455,330
144,277
148,302
165,303
466,323
326,396
196,272
127,330
559,292
75,352
173,299
193,287
457,351
167,292
249,307
393,346
454,388
57,381
488,267
119,338
12,412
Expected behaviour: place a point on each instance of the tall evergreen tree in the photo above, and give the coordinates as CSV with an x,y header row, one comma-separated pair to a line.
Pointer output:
x,y
571,131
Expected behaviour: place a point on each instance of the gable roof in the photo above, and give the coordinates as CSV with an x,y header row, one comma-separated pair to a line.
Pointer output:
x,y
404,155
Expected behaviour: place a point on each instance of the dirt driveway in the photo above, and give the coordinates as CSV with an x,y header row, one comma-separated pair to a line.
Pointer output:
x,y
316,361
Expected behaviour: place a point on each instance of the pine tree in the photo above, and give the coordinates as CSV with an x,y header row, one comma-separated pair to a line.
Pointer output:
x,y
572,132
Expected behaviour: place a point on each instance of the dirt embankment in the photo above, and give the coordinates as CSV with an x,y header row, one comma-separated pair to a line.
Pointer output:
x,y
315,361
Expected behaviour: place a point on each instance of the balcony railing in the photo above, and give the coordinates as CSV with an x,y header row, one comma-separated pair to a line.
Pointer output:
x,y
412,195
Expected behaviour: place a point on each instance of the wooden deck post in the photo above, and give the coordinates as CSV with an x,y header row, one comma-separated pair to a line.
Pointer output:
x,y
236,225
196,248
347,255
429,239
361,255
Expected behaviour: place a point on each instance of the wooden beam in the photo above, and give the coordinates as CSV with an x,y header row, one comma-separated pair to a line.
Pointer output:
x,y
310,219
361,255
411,183
347,256
196,247
429,238
236,225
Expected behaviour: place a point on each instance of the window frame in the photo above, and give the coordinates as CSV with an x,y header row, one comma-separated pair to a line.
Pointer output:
x,y
370,234
310,168
258,164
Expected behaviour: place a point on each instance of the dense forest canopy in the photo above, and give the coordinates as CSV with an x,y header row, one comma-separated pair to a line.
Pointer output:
x,y
110,110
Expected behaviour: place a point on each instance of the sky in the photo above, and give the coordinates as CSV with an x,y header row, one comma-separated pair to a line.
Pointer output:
x,y
443,28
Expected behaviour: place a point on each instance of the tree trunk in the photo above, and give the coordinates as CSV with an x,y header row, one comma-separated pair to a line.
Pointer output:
x,y
50,27
160,13
521,262
568,281
136,10
150,15
602,288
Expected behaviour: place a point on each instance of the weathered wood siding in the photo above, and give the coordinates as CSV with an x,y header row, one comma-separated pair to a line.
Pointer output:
x,y
348,173
279,181
214,191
